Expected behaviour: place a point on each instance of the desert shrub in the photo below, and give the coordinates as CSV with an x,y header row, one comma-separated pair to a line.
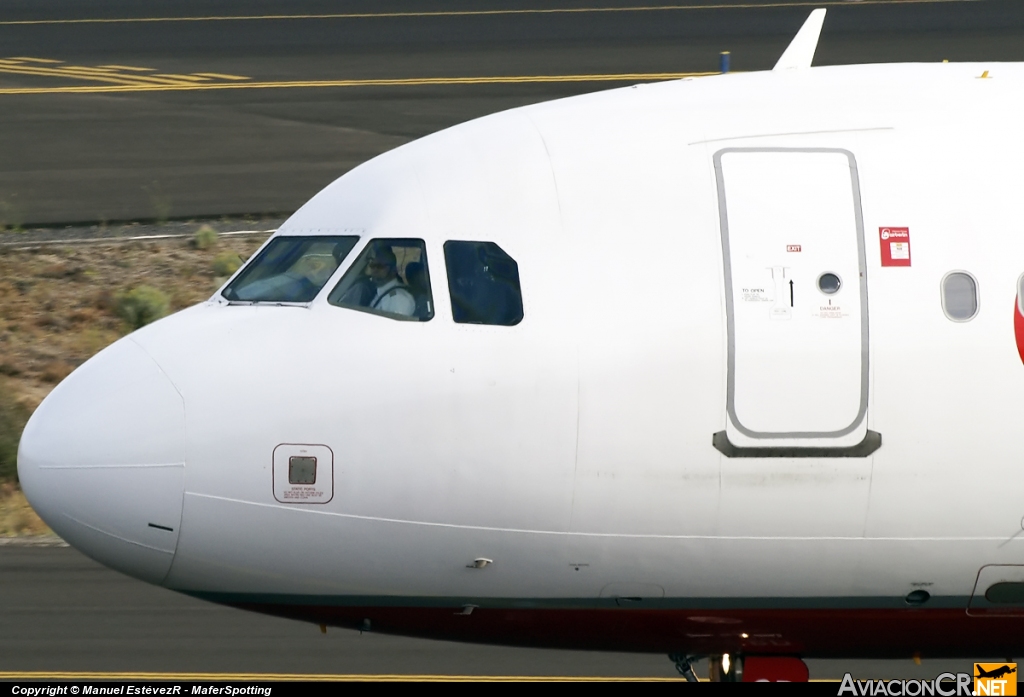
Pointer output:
x,y
204,238
140,306
12,420
226,263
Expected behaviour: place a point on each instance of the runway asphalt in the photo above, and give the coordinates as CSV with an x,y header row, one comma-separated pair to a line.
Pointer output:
x,y
60,612
124,109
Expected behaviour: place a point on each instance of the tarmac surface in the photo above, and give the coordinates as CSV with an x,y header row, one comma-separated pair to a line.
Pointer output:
x,y
61,612
125,110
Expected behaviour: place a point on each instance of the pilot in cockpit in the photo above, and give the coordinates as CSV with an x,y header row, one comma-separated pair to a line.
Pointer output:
x,y
387,292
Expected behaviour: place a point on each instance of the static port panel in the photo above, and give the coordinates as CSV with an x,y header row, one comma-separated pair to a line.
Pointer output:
x,y
303,474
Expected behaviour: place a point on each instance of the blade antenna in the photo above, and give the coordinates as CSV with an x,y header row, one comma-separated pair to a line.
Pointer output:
x,y
800,52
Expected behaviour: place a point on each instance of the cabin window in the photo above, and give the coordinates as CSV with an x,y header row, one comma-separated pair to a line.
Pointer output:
x,y
484,284
960,296
290,269
389,278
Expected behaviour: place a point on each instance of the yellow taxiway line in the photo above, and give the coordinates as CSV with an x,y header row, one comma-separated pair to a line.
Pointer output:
x,y
474,13
109,74
388,82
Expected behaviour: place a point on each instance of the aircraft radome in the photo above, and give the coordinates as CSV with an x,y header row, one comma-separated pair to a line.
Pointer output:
x,y
727,365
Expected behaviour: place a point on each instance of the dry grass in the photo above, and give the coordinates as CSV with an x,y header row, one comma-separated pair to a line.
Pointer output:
x,y
58,304
16,516
58,307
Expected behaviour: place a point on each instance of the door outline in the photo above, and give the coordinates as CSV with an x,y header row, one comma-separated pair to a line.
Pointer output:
x,y
729,303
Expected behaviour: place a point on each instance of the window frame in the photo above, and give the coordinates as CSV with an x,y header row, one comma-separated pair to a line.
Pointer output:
x,y
393,241
977,295
452,294
262,251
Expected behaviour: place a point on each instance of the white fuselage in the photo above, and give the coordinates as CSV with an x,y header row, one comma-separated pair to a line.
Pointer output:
x,y
574,449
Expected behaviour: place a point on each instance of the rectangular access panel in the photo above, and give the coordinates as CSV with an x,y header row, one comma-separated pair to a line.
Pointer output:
x,y
303,473
796,298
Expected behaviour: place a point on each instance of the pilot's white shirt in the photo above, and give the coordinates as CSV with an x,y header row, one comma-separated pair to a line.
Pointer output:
x,y
393,297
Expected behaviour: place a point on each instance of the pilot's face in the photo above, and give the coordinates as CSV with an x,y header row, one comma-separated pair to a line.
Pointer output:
x,y
379,270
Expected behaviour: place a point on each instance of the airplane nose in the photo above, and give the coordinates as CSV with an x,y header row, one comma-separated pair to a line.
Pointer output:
x,y
102,460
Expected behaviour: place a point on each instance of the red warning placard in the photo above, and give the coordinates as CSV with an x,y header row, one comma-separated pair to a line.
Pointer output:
x,y
895,245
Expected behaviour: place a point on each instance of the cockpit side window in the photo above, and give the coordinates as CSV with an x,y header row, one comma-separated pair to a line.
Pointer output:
x,y
389,278
290,269
484,284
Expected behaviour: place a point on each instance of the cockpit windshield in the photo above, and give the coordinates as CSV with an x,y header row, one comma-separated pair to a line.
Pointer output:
x,y
290,269
389,278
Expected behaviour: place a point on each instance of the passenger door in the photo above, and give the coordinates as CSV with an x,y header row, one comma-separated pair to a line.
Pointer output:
x,y
796,302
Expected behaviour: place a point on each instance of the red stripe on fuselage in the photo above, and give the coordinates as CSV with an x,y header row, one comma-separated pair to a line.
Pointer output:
x,y
1018,327
850,633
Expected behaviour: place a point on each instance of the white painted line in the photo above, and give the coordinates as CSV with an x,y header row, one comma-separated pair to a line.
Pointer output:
x,y
135,238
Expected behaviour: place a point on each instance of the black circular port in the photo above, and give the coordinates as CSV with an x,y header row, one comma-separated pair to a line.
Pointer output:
x,y
917,597
829,283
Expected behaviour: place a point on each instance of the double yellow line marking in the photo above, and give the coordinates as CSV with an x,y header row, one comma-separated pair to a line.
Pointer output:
x,y
125,76
191,86
107,79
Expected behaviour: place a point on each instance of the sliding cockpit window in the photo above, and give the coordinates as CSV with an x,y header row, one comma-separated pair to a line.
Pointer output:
x,y
389,278
290,269
483,281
